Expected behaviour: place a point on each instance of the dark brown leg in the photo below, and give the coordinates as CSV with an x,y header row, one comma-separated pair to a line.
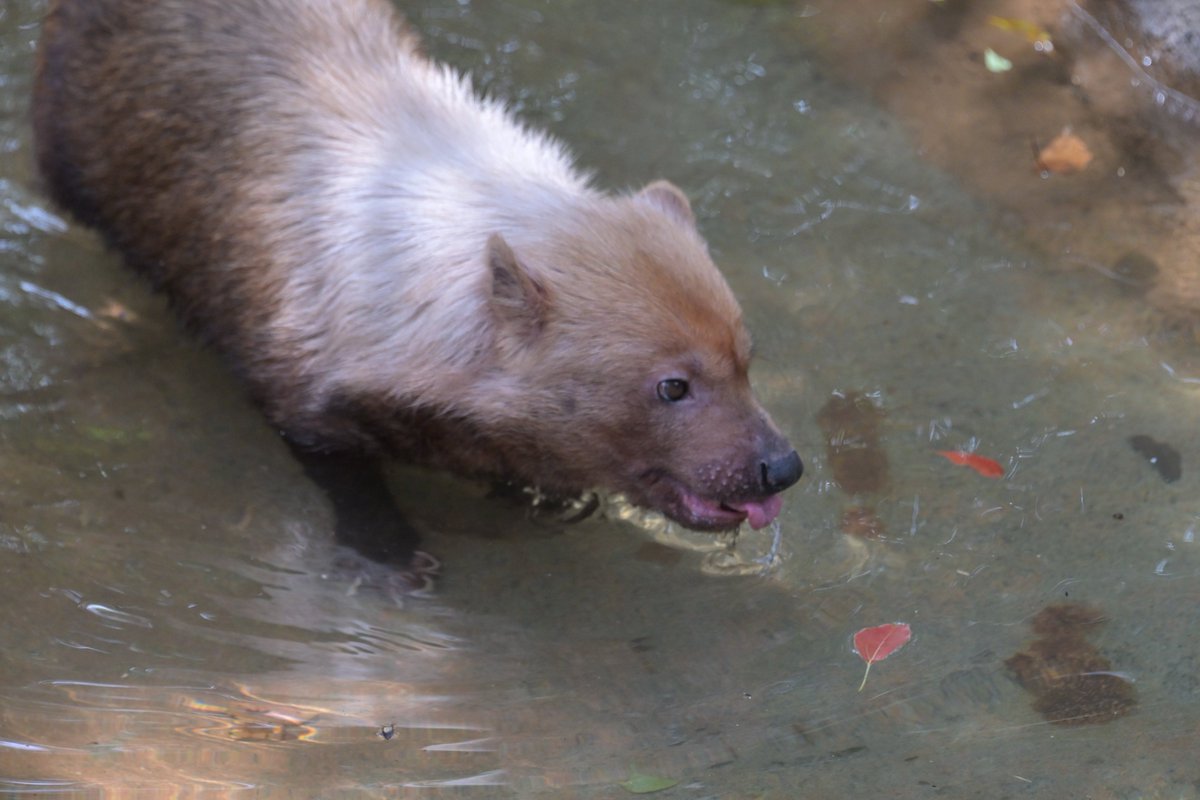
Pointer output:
x,y
365,515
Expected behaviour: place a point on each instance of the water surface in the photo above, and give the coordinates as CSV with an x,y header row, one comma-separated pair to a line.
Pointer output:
x,y
175,620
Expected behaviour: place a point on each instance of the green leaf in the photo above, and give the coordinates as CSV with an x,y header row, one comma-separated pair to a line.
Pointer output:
x,y
995,62
640,783
108,435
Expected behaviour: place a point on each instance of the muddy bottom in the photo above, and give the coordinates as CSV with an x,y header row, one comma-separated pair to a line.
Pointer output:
x,y
983,89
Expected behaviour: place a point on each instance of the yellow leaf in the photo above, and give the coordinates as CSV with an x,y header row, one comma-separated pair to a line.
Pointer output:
x,y
1022,27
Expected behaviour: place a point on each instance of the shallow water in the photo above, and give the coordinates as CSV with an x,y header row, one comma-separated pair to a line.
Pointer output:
x,y
173,618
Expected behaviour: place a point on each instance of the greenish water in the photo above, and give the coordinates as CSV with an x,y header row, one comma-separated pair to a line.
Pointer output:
x,y
172,621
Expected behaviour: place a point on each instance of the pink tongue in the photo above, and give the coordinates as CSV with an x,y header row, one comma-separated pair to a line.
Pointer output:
x,y
760,515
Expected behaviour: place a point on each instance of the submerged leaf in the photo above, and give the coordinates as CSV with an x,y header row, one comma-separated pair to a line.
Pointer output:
x,y
640,783
108,435
877,643
995,62
1164,458
1030,30
861,522
1073,683
1065,154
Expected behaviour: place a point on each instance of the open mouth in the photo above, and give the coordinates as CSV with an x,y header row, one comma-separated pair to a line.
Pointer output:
x,y
701,513
759,513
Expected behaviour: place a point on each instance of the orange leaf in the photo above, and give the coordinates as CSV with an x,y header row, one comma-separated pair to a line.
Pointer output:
x,y
877,643
987,467
1065,154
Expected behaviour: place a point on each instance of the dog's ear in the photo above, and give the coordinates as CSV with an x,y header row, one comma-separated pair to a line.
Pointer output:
x,y
517,300
670,199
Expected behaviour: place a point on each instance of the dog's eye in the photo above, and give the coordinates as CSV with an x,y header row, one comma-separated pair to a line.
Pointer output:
x,y
672,389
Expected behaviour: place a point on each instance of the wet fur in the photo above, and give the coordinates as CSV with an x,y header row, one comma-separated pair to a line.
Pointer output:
x,y
391,263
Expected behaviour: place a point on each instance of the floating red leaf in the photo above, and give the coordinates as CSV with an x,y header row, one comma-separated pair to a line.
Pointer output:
x,y
876,644
987,467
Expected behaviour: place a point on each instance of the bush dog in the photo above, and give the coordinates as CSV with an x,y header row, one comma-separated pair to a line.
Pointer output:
x,y
395,266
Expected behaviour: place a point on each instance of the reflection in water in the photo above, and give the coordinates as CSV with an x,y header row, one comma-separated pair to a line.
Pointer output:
x,y
175,621
345,669
129,735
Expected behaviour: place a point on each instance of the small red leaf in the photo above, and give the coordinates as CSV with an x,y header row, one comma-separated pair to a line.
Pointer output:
x,y
876,644
987,467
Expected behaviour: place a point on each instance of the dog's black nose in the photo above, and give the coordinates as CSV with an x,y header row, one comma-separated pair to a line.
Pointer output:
x,y
782,472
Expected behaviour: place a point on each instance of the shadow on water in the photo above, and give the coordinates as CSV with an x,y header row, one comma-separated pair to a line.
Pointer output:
x,y
174,620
